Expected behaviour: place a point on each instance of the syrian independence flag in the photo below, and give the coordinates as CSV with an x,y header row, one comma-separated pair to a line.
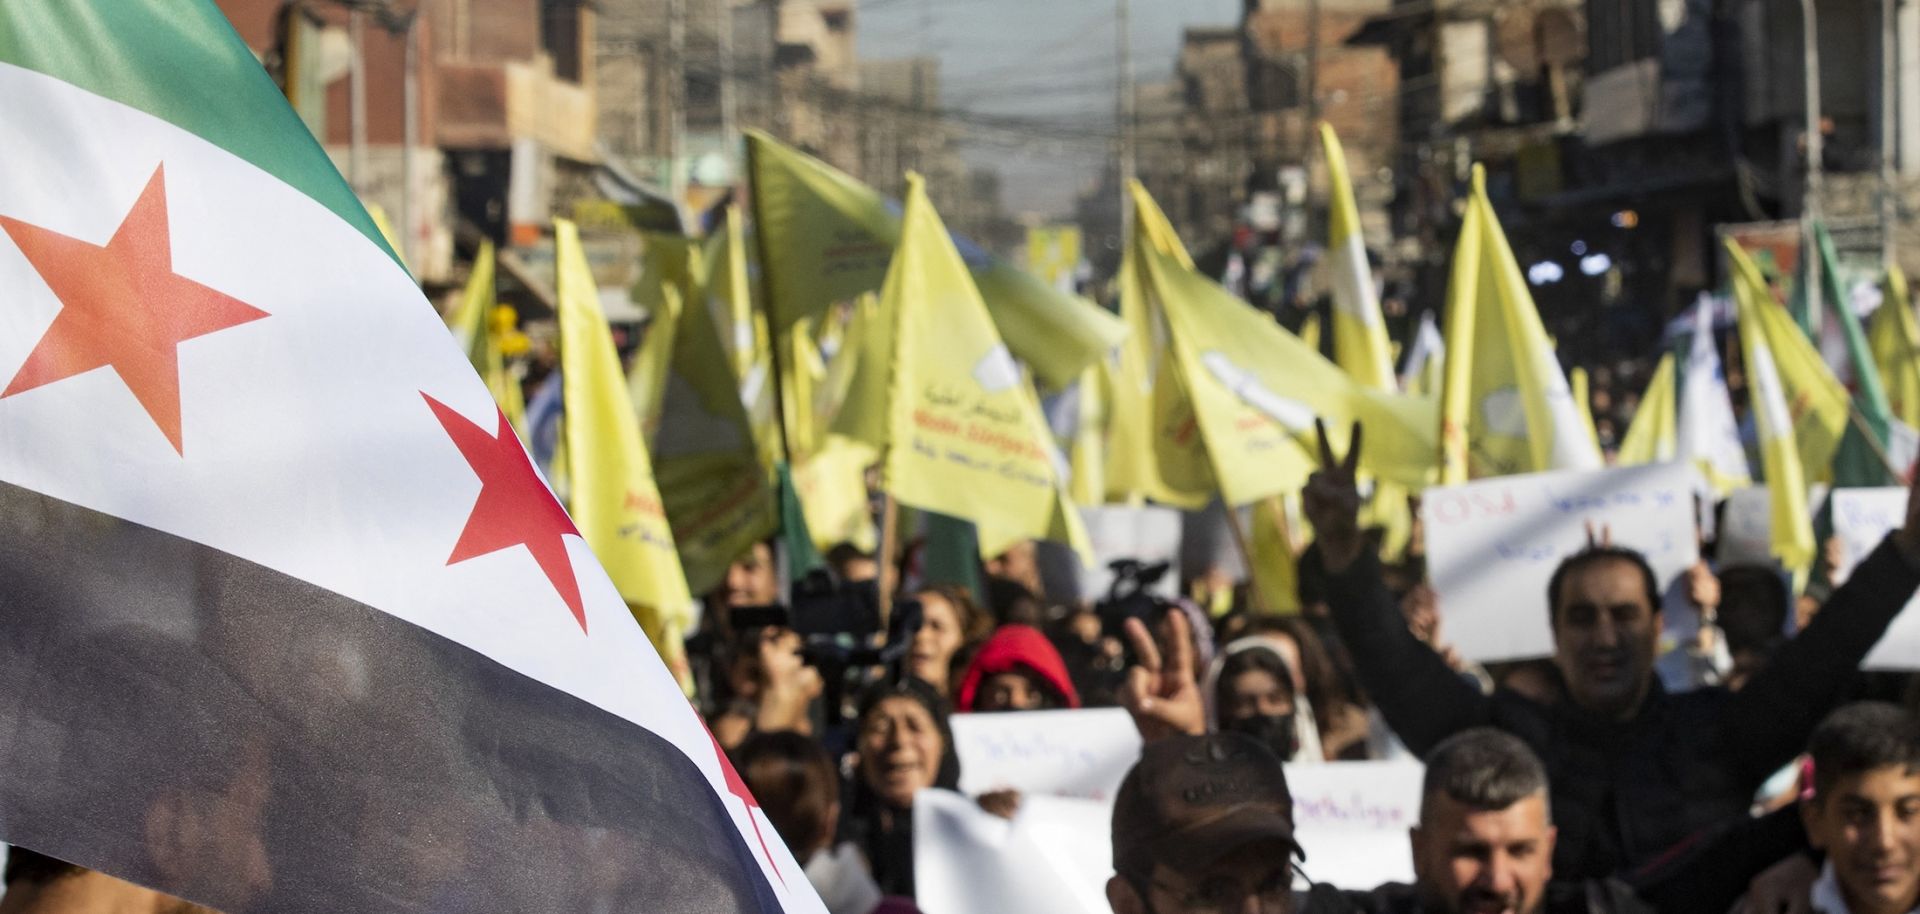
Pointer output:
x,y
288,621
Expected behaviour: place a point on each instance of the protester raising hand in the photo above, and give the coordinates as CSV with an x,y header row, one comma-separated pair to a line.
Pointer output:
x,y
1331,501
1162,695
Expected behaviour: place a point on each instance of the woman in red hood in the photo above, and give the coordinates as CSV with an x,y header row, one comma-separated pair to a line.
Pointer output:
x,y
1017,669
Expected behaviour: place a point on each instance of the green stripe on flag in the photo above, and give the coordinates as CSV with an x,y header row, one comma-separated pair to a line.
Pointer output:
x,y
180,61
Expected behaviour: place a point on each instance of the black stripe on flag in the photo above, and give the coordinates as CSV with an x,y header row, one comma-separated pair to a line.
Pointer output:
x,y
200,724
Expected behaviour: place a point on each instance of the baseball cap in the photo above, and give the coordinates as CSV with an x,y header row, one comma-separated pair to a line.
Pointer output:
x,y
1191,800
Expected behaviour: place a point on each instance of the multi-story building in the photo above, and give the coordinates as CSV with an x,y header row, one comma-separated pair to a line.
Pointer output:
x,y
447,114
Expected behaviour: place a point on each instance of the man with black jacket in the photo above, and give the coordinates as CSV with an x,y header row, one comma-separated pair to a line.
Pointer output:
x,y
1634,770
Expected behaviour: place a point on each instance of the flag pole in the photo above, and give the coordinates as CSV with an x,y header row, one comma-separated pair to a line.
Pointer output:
x,y
764,287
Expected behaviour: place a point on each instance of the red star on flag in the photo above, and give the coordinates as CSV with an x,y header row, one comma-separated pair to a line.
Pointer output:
x,y
515,508
122,307
737,786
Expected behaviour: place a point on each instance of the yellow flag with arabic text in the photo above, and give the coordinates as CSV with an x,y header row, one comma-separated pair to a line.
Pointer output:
x,y
965,434
615,501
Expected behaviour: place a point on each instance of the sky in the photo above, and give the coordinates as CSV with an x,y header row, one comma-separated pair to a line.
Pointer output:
x,y
1051,61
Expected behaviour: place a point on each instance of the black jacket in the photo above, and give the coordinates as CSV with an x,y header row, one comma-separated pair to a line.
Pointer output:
x,y
1623,793
1598,896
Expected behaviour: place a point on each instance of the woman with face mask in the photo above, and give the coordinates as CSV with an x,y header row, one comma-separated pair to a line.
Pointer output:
x,y
1251,691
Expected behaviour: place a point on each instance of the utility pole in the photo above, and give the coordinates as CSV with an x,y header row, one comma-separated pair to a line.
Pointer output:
x,y
410,129
1123,36
357,101
1312,82
676,100
1810,200
729,116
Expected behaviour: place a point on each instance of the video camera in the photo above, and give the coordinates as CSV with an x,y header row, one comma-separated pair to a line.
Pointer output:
x,y
840,625
1130,596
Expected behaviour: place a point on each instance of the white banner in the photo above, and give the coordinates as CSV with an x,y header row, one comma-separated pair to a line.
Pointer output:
x,y
1083,753
1861,519
1492,545
1055,855
1352,820
1746,528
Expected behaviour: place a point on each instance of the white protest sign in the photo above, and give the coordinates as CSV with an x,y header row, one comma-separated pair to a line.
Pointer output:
x,y
1147,534
1746,528
1493,545
1083,753
1053,856
1861,519
1352,820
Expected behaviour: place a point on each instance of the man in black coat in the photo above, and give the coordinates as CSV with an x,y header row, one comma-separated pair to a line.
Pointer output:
x,y
1634,770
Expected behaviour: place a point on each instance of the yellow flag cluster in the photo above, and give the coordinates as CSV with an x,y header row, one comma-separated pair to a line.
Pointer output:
x,y
964,434
1505,405
1231,403
718,493
1799,408
615,501
828,238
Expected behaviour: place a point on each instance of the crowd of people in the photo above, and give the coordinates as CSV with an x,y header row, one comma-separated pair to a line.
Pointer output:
x,y
1746,766
1628,772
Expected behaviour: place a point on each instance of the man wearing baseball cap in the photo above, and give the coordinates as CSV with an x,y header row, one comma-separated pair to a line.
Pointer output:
x,y
1204,825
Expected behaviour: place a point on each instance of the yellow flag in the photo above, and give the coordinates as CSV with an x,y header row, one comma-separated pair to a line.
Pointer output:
x,y
728,289
1053,254
1087,455
828,238
1767,337
1310,332
1894,337
378,214
477,323
832,487
647,375
1359,332
1583,401
1255,390
1654,436
1154,449
1505,404
1818,404
1275,569
965,434
719,496
615,501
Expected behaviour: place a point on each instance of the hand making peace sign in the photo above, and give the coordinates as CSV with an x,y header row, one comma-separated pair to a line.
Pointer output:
x,y
1332,502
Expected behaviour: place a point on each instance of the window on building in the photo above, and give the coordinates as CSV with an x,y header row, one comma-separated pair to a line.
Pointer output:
x,y
560,37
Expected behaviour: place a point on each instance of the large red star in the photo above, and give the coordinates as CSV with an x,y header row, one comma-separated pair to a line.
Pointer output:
x,y
515,508
122,307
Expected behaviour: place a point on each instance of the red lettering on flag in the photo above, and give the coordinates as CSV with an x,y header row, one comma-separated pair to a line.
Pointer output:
x,y
122,307
514,508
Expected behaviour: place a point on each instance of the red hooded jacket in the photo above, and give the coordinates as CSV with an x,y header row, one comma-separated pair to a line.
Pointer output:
x,y
1017,649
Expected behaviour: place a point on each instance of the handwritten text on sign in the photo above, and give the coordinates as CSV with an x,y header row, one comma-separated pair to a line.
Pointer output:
x,y
1082,753
1492,545
1862,518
